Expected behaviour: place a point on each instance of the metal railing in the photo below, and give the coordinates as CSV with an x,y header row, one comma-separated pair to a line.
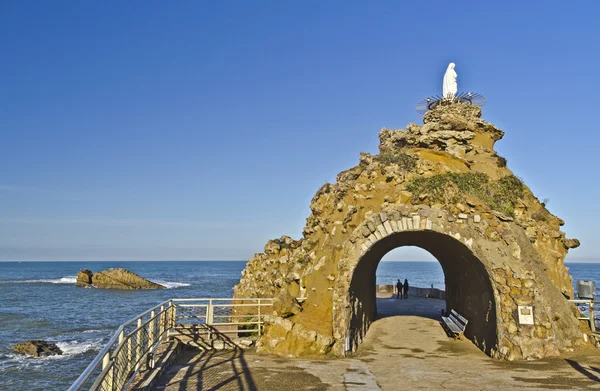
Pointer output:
x,y
127,351
587,311
224,315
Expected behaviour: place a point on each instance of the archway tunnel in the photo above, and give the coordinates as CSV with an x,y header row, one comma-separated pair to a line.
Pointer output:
x,y
468,287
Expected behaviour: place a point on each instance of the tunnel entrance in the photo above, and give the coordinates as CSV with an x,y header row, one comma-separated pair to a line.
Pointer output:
x,y
468,287
424,274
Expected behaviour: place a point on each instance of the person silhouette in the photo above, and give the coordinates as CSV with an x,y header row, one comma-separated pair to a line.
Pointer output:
x,y
405,288
399,289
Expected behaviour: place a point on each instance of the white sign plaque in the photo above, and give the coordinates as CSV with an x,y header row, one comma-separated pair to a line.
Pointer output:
x,y
525,314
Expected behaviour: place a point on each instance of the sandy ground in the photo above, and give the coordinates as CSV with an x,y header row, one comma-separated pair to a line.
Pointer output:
x,y
405,349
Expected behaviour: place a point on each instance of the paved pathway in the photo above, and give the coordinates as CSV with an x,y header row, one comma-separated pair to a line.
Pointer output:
x,y
409,352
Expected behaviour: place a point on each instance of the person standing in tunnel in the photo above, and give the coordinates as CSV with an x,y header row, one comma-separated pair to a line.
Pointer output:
x,y
405,288
399,289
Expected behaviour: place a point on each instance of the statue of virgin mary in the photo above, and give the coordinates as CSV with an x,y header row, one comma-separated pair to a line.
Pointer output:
x,y
450,87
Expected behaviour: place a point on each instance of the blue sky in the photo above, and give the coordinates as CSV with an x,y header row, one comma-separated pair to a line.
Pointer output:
x,y
199,130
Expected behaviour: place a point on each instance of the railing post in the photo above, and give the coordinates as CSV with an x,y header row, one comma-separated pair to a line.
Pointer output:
x,y
117,364
209,313
108,380
161,325
259,320
138,348
129,364
173,313
592,318
209,318
151,335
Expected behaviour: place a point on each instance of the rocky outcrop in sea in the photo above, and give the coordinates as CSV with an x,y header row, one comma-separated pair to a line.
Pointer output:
x,y
37,348
114,279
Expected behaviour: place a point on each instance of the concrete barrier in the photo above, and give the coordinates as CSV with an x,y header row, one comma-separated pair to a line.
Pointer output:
x,y
414,291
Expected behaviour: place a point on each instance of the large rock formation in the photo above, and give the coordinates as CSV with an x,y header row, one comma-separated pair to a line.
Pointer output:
x,y
37,348
114,279
440,186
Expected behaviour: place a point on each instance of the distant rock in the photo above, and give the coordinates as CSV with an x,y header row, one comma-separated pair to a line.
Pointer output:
x,y
84,278
114,279
122,279
37,348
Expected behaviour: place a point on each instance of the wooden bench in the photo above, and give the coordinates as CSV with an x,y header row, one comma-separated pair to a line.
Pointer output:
x,y
455,324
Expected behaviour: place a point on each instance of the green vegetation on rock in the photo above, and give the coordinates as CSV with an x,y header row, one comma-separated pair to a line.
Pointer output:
x,y
501,195
405,161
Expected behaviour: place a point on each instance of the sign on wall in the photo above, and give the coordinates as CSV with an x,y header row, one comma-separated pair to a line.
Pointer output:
x,y
525,314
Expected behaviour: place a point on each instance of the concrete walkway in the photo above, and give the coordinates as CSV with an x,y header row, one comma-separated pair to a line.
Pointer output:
x,y
410,351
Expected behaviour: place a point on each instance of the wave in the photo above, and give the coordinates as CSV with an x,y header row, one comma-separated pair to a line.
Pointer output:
x,y
72,348
95,331
171,285
62,280
84,330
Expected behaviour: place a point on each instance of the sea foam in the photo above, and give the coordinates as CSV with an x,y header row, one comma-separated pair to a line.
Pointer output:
x,y
71,348
171,285
62,280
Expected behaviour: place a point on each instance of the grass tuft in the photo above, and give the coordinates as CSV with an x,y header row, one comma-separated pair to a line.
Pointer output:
x,y
501,195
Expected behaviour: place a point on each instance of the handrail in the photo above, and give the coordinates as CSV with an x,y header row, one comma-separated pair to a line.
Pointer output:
x,y
223,299
135,318
85,375
591,317
583,301
148,334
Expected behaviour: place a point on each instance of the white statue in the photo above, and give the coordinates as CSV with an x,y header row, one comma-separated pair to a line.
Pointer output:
x,y
450,87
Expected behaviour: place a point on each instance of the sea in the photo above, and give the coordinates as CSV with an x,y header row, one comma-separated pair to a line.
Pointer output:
x,y
39,300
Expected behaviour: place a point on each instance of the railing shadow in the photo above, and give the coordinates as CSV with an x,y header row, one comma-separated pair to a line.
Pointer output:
x,y
202,367
587,373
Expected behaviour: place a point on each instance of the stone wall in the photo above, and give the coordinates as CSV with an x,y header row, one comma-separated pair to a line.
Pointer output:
x,y
439,186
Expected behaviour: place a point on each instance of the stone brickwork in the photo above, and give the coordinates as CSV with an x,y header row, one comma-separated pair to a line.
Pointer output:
x,y
439,186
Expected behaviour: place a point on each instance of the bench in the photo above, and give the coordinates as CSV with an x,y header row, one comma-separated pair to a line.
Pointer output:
x,y
455,324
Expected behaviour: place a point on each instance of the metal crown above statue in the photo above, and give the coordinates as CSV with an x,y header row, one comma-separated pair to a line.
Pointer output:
x,y
450,93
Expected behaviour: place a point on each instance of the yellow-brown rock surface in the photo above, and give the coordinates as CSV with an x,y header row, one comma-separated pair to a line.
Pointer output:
x,y
440,186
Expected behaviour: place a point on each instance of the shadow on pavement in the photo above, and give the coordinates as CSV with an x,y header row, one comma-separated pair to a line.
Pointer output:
x,y
589,374
197,369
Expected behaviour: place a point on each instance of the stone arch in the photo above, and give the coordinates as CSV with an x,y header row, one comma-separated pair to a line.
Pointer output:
x,y
503,284
468,284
